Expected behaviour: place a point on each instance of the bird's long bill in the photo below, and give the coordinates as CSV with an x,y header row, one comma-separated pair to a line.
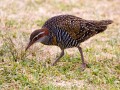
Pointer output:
x,y
29,44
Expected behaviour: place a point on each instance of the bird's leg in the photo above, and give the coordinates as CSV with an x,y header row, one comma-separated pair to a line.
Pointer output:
x,y
82,57
61,55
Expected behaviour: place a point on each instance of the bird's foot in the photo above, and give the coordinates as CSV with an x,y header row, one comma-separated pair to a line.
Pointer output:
x,y
53,64
84,65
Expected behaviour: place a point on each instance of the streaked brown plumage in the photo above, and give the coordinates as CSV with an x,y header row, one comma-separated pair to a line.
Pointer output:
x,y
67,31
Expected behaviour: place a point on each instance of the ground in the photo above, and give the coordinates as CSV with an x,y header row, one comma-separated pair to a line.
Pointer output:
x,y
32,70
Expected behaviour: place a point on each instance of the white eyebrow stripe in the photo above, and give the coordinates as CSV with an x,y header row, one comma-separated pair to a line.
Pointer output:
x,y
38,35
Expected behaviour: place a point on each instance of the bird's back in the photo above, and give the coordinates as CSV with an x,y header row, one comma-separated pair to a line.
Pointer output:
x,y
68,23
74,29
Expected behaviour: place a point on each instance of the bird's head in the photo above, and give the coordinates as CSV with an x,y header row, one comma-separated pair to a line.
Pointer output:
x,y
37,36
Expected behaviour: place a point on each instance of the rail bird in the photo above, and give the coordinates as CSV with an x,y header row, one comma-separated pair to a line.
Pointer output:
x,y
67,31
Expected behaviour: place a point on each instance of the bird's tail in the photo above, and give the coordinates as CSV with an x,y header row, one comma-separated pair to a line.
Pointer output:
x,y
105,22
102,25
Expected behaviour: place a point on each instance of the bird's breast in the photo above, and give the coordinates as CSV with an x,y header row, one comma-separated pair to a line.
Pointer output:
x,y
54,40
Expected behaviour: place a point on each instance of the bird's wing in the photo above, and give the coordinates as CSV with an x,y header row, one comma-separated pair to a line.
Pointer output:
x,y
75,26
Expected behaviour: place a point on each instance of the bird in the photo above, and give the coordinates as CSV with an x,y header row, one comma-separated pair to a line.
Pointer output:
x,y
67,31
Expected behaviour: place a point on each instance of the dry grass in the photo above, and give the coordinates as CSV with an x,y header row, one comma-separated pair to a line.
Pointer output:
x,y
31,70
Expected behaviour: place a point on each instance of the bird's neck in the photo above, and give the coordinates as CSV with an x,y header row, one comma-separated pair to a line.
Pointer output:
x,y
45,40
48,40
